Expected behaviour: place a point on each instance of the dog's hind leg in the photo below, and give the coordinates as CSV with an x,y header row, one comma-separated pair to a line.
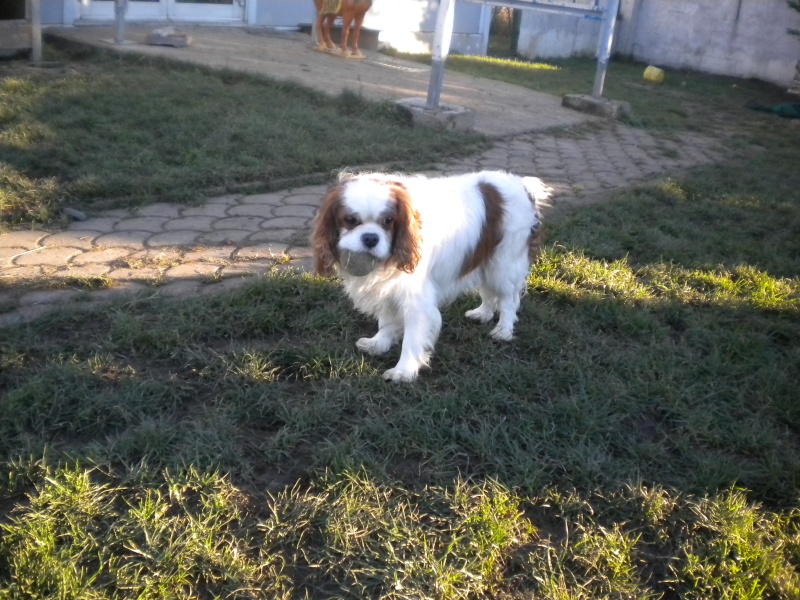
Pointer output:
x,y
509,279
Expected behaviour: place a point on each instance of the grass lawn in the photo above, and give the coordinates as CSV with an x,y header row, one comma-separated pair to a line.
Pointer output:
x,y
107,130
640,438
685,101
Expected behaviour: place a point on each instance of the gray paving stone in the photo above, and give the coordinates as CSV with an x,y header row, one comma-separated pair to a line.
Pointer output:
x,y
76,239
193,270
273,235
263,211
116,212
308,198
151,224
89,270
179,289
286,222
224,236
128,239
210,254
156,256
209,210
130,274
267,250
273,199
99,256
27,273
248,268
300,252
8,254
297,210
195,223
48,256
173,238
228,200
22,239
100,224
243,223
161,209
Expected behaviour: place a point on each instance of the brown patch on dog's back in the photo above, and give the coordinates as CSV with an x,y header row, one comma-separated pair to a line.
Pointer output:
x,y
492,231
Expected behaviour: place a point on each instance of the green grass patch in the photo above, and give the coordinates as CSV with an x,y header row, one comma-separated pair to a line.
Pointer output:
x,y
136,130
638,439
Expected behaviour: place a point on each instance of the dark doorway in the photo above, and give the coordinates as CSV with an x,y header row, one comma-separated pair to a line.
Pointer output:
x,y
12,9
504,31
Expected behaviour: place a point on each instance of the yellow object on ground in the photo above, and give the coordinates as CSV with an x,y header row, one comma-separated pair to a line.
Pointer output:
x,y
653,74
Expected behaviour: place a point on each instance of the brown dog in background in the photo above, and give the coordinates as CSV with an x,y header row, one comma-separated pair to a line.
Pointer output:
x,y
351,11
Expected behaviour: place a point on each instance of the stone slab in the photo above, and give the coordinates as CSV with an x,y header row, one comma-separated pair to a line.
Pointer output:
x,y
445,116
597,106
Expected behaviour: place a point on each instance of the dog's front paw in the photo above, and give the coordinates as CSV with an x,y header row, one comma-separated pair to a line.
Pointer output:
x,y
373,345
482,314
502,334
400,375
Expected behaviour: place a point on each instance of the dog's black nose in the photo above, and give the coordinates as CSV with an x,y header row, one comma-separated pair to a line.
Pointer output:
x,y
370,240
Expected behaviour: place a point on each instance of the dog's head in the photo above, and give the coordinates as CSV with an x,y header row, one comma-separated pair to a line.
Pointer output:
x,y
371,216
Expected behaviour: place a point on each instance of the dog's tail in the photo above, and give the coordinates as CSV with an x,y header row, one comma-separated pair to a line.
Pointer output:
x,y
538,193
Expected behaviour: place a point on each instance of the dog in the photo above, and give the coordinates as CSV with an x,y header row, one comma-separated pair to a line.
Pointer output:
x,y
419,243
351,11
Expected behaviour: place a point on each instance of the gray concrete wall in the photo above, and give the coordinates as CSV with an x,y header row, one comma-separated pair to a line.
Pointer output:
x,y
283,13
549,35
744,38
741,38
52,11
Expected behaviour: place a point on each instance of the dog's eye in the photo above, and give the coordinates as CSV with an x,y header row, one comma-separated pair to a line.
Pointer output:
x,y
388,221
350,221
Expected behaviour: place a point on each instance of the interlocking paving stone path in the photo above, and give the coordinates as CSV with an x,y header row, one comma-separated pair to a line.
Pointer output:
x,y
183,250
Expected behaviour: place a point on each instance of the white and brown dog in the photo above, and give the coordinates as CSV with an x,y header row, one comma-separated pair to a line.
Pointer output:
x,y
405,246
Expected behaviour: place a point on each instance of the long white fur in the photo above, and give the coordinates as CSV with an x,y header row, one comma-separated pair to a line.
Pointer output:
x,y
453,216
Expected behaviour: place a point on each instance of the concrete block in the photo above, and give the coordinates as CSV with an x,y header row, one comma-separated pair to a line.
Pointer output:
x,y
601,107
168,36
443,117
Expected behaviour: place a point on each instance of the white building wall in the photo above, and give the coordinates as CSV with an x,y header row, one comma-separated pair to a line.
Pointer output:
x,y
741,38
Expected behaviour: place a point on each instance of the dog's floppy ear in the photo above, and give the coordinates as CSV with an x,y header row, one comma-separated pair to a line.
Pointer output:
x,y
407,239
325,235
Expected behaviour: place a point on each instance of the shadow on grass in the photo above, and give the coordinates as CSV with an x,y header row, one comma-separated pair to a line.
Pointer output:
x,y
597,452
239,442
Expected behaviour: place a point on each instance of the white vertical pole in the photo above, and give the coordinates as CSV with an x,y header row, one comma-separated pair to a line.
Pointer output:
x,y
485,27
36,31
441,46
604,51
120,7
